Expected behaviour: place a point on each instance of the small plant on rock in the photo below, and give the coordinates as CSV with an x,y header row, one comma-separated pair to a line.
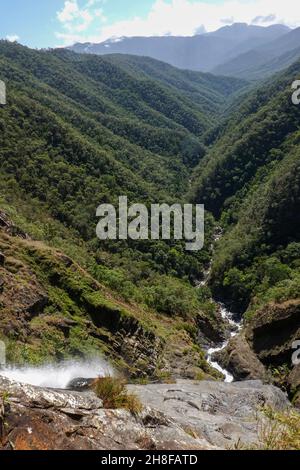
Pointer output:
x,y
281,431
277,430
112,391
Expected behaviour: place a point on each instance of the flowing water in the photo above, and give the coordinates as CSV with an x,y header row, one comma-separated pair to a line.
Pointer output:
x,y
228,316
236,326
58,375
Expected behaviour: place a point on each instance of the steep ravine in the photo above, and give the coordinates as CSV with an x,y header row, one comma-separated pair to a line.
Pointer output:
x,y
262,347
233,325
40,412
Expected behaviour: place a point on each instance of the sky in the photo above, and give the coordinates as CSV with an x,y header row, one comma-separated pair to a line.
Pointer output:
x,y
56,23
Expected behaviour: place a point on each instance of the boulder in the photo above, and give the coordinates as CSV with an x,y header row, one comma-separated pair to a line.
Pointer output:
x,y
240,360
80,384
212,331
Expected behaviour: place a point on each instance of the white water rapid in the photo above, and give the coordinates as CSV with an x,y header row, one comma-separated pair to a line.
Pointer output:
x,y
58,375
237,326
226,315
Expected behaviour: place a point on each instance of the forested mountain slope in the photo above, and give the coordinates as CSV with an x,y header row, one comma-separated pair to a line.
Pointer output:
x,y
250,179
81,130
209,91
78,131
142,121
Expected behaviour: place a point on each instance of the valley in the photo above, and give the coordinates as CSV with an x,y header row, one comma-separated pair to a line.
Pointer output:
x,y
80,130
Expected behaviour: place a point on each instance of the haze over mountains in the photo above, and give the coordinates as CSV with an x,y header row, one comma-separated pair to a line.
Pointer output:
x,y
241,50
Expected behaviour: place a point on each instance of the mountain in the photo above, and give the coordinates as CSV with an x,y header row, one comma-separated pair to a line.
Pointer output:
x,y
78,131
202,52
130,113
103,131
265,60
242,32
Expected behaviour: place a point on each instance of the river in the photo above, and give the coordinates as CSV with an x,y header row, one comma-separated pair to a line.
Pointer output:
x,y
236,328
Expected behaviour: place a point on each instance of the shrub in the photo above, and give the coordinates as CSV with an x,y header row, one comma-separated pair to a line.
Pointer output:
x,y
112,391
281,431
276,431
171,297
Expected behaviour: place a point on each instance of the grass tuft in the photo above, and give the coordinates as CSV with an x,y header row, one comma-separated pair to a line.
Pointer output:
x,y
112,391
277,431
281,430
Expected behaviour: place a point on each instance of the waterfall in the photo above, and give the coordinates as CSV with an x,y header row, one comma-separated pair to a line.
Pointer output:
x,y
58,375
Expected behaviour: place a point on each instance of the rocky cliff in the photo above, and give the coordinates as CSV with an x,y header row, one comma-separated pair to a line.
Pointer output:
x,y
52,309
264,349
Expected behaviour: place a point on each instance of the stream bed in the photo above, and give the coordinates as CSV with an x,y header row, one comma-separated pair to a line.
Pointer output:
x,y
236,328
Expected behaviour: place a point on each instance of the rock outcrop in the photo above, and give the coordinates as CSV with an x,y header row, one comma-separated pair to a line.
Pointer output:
x,y
240,360
273,330
265,348
187,416
9,227
212,331
293,382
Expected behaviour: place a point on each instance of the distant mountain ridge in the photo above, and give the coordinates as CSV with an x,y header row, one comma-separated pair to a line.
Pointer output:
x,y
203,52
264,60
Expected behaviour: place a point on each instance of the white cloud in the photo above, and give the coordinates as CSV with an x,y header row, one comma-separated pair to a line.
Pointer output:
x,y
12,37
75,19
185,17
69,12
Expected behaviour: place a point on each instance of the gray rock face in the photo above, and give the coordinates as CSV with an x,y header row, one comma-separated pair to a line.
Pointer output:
x,y
188,416
239,359
266,343
221,414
